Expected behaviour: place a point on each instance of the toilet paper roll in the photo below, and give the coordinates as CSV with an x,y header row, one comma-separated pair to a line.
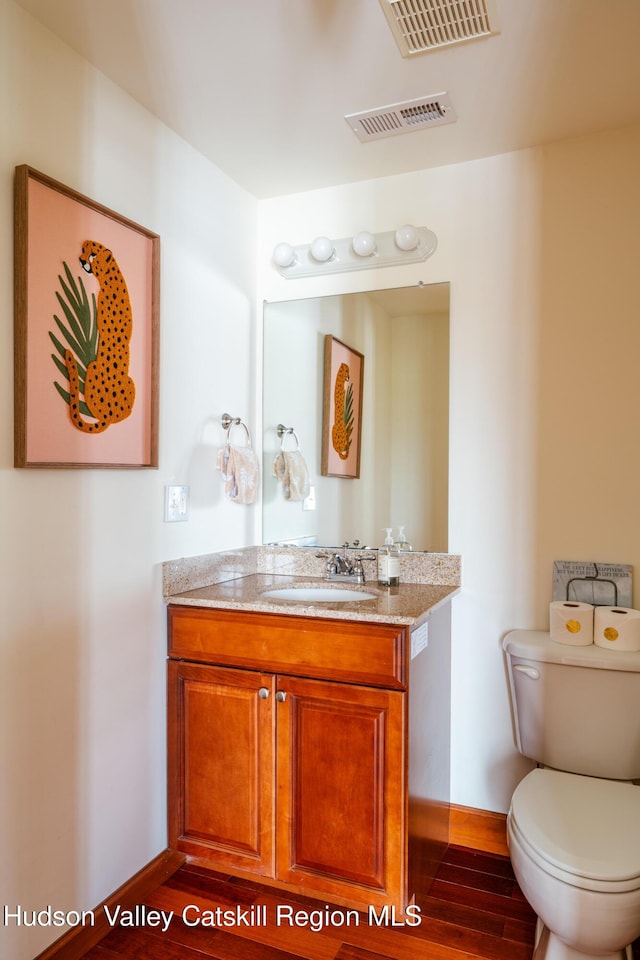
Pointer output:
x,y
571,622
617,628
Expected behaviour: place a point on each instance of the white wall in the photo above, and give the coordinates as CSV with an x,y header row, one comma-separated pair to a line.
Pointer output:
x,y
82,635
541,248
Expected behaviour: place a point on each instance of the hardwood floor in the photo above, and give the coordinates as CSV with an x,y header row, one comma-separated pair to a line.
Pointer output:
x,y
474,910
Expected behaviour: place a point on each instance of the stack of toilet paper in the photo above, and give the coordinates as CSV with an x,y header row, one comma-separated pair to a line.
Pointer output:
x,y
580,624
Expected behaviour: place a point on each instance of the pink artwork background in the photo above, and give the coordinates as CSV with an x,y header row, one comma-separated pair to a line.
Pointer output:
x,y
57,227
341,353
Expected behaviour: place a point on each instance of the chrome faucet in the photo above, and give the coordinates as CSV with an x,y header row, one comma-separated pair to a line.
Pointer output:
x,y
342,568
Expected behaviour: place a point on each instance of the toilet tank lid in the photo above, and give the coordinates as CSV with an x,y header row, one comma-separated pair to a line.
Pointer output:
x,y
538,645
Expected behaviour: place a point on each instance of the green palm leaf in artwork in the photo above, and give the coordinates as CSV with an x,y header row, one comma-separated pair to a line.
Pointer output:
x,y
78,332
347,415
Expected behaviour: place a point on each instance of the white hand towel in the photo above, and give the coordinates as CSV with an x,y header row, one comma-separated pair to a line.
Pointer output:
x,y
239,469
290,468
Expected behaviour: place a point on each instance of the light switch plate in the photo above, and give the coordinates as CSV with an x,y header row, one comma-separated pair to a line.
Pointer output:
x,y
176,503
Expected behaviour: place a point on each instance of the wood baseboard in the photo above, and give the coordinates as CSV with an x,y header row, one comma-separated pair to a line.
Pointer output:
x,y
75,943
479,829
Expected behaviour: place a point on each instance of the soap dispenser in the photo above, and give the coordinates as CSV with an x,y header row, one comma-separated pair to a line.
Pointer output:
x,y
402,543
388,562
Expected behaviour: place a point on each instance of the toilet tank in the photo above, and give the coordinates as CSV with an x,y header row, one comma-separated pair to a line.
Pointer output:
x,y
576,708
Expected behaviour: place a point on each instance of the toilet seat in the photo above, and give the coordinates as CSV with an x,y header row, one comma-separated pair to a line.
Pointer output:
x,y
581,830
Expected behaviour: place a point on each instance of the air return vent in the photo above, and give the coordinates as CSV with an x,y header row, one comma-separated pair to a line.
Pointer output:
x,y
422,25
402,117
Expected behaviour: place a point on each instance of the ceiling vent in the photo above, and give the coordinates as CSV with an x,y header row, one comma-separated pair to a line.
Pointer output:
x,y
402,117
423,25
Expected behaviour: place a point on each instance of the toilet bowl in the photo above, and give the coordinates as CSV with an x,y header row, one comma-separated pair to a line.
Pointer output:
x,y
574,843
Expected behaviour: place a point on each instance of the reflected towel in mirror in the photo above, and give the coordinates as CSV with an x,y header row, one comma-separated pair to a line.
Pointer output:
x,y
290,468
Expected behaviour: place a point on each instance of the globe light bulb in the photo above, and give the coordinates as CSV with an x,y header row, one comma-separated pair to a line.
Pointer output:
x,y
364,244
407,237
284,254
322,249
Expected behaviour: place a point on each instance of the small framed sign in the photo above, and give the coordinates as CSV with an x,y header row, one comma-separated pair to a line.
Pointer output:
x,y
600,584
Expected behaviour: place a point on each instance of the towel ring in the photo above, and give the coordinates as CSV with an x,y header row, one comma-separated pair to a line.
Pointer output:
x,y
229,422
283,432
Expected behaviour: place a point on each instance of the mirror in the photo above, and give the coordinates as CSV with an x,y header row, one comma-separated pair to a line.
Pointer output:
x,y
404,461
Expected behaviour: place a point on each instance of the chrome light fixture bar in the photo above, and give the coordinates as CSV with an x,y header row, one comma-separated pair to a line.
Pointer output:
x,y
364,251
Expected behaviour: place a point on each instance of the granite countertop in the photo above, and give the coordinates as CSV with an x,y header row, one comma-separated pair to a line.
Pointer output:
x,y
409,603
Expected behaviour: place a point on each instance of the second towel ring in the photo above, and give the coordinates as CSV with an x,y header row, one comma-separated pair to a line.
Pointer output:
x,y
284,432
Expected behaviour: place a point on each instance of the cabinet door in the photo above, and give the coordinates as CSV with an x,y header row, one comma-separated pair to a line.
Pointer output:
x,y
341,790
221,765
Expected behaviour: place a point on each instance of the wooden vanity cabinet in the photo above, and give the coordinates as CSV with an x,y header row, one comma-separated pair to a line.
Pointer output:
x,y
288,750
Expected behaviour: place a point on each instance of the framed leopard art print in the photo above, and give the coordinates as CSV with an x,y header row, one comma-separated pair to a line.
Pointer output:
x,y
86,323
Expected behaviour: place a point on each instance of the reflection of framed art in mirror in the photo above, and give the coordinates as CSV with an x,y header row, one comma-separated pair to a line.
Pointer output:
x,y
342,409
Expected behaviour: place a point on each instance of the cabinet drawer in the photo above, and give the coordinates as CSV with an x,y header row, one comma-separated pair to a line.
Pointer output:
x,y
343,650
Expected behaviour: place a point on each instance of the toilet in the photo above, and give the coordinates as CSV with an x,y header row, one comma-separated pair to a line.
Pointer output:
x,y
574,823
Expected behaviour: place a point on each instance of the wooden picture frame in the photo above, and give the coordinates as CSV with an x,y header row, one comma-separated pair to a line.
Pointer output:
x,y
86,331
342,409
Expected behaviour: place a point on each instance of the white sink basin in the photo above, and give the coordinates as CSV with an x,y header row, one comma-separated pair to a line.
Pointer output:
x,y
319,595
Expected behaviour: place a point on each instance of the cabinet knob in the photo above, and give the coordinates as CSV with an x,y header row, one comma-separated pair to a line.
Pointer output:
x,y
263,693
281,696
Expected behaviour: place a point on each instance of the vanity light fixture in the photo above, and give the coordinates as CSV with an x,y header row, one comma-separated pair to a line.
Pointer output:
x,y
364,244
407,244
322,249
283,254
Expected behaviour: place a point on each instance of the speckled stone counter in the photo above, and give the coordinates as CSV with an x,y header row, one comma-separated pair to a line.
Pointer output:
x,y
237,580
409,603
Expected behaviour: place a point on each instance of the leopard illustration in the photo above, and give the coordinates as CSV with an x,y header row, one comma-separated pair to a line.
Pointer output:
x,y
343,417
109,391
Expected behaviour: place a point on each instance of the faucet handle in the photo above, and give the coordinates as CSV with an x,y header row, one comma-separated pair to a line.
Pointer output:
x,y
358,568
332,561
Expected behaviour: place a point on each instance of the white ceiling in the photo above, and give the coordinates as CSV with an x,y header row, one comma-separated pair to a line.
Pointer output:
x,y
261,87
